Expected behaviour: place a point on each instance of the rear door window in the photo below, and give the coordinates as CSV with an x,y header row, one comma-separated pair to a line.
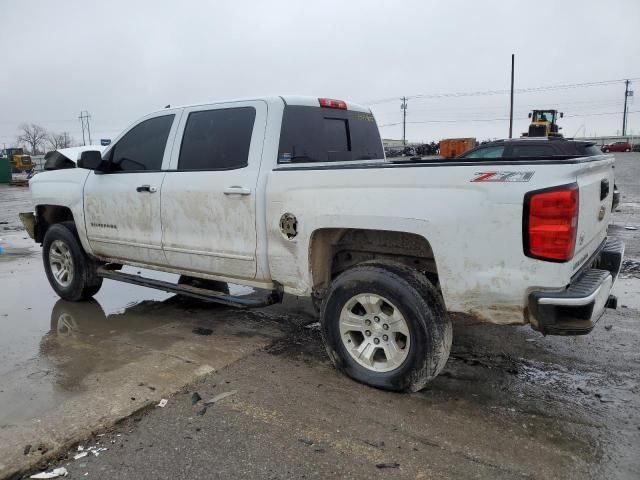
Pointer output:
x,y
217,139
142,147
314,134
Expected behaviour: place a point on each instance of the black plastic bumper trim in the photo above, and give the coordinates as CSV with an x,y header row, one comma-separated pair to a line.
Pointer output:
x,y
570,311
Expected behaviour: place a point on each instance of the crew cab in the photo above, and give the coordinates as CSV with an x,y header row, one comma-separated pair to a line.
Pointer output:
x,y
293,196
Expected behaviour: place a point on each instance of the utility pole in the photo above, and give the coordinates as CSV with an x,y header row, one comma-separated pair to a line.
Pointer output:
x,y
84,117
511,109
89,127
404,120
81,117
627,94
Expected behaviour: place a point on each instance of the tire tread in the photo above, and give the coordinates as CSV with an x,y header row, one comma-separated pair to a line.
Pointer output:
x,y
426,297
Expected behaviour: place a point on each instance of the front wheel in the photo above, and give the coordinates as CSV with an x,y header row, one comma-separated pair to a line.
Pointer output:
x,y
71,273
385,325
628,150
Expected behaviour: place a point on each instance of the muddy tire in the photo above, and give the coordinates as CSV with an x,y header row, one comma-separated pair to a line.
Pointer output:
x,y
385,325
70,271
216,285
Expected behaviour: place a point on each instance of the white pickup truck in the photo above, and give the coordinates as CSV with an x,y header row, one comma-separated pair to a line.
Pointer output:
x,y
293,195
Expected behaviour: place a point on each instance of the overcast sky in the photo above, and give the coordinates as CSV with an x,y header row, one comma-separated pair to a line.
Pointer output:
x,y
122,59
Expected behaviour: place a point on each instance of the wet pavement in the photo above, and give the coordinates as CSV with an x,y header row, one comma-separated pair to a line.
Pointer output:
x,y
68,369
510,402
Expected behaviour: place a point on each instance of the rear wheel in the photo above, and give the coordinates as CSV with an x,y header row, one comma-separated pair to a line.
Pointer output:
x,y
385,325
70,271
628,150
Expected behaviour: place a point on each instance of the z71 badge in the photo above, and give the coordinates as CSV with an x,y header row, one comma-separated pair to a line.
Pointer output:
x,y
502,176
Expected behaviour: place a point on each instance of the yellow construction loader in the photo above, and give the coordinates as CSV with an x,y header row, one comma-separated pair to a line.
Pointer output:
x,y
543,124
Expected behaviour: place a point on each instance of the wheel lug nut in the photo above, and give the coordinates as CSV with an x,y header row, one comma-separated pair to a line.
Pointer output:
x,y
368,333
367,322
376,341
385,326
377,319
385,337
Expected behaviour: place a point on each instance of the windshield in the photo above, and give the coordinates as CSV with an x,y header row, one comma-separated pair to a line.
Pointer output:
x,y
544,116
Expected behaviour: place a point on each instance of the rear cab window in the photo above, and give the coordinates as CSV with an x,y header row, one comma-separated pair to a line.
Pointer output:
x,y
315,134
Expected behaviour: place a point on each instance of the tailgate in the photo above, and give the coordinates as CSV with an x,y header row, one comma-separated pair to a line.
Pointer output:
x,y
595,180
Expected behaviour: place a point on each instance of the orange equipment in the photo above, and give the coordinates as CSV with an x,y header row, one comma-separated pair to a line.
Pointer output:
x,y
452,147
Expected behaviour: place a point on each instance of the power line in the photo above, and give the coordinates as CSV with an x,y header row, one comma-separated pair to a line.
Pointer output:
x,y
501,92
496,109
40,121
497,119
451,114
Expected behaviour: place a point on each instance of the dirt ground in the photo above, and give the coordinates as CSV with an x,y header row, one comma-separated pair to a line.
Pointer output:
x,y
510,402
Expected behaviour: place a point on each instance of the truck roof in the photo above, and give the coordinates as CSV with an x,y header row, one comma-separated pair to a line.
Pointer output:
x,y
298,100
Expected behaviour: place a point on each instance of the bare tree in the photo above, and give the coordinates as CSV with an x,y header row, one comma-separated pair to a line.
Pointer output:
x,y
33,136
60,140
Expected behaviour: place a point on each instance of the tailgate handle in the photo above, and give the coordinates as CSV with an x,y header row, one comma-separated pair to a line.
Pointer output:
x,y
604,189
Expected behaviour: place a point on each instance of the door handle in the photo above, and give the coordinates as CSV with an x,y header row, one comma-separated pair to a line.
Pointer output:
x,y
235,190
146,188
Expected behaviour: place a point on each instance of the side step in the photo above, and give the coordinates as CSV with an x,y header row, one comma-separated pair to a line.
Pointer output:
x,y
244,301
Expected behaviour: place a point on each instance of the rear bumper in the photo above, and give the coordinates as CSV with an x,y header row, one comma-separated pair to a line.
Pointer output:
x,y
575,310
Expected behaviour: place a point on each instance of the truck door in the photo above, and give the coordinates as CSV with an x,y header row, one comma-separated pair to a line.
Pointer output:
x,y
209,194
122,205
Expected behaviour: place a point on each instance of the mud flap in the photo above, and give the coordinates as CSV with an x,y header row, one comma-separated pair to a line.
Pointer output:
x,y
28,219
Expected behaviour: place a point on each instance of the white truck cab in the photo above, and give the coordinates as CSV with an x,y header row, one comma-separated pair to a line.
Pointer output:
x,y
293,195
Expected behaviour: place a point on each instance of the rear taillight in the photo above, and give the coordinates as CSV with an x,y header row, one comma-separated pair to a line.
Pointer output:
x,y
331,103
550,223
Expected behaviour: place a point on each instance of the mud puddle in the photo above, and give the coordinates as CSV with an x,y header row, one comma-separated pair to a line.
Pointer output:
x,y
69,368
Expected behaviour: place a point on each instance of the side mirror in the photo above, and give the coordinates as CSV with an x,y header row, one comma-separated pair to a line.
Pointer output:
x,y
561,114
529,114
90,159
